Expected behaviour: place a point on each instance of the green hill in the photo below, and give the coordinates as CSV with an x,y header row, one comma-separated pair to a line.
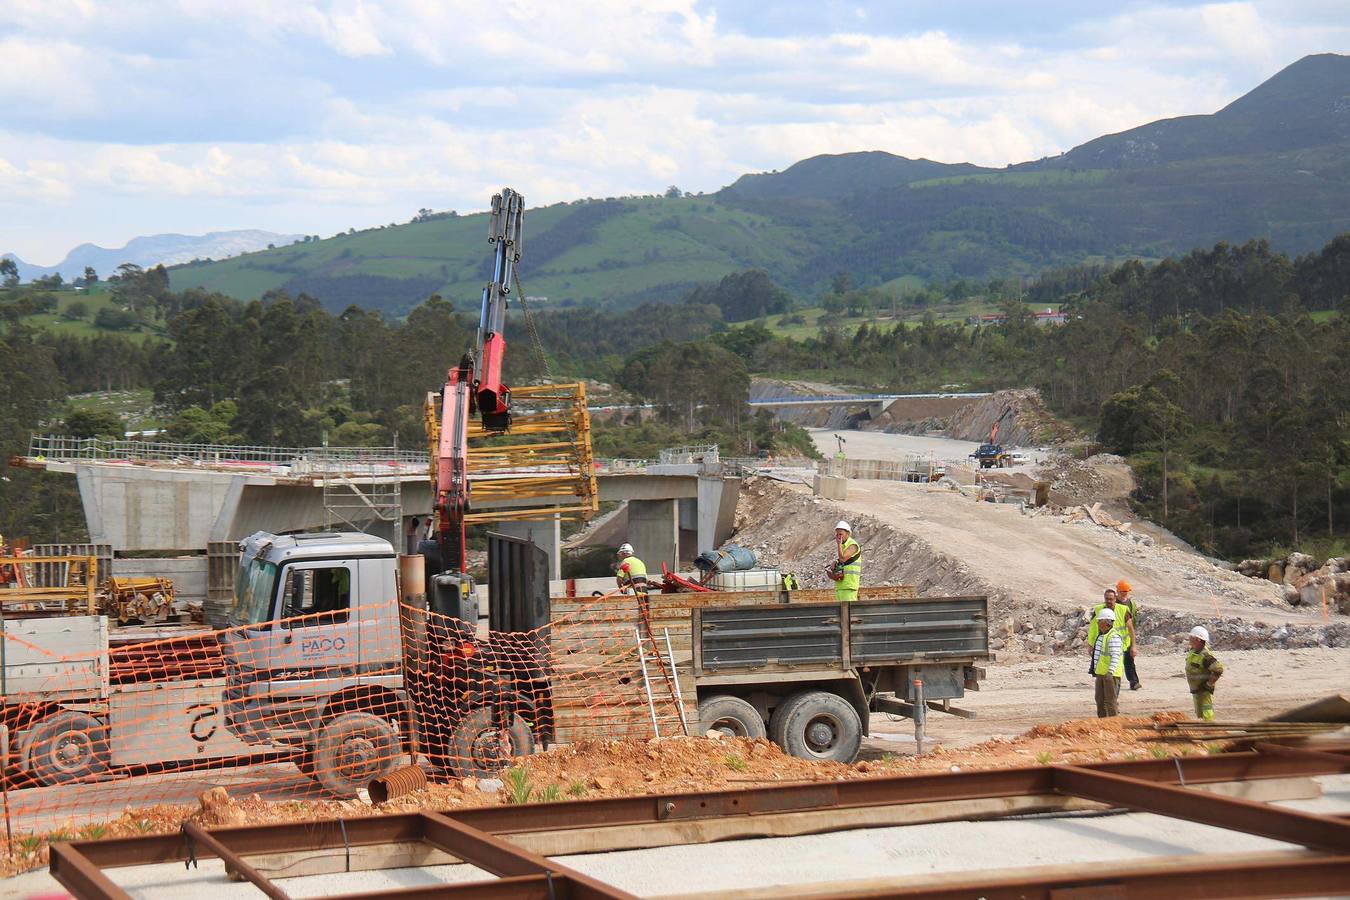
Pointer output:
x,y
1274,164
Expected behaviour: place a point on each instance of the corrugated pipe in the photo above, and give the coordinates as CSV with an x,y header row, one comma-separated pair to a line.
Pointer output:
x,y
397,783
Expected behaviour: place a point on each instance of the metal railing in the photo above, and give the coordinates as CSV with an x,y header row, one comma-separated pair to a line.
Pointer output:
x,y
691,454
61,448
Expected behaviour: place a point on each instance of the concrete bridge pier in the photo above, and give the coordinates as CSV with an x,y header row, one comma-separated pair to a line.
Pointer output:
x,y
545,534
654,532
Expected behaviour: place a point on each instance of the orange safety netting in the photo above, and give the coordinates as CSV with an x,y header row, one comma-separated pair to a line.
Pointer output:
x,y
316,706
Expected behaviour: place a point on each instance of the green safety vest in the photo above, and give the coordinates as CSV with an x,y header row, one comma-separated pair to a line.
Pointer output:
x,y
1104,666
853,571
1120,624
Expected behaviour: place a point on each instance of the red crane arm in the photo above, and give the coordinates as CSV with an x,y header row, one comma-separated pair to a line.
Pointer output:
x,y
477,386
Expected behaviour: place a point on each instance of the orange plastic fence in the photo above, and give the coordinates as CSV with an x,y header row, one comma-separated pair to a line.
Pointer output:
x,y
316,706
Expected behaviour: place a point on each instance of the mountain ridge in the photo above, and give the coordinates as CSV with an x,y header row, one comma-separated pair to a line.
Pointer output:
x,y
1272,164
154,249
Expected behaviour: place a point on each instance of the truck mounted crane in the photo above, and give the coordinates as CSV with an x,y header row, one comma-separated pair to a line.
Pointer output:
x,y
475,385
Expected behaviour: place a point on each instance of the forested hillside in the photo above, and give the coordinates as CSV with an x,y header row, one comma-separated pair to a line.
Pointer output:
x,y
1274,164
1226,368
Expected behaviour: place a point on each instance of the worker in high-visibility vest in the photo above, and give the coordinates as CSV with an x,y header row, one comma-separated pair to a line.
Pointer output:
x,y
846,570
1126,602
1108,663
1203,670
632,572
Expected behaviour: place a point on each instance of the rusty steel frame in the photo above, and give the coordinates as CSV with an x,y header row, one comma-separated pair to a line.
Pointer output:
x,y
481,837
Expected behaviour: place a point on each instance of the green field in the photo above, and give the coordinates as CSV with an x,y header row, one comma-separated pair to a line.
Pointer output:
x,y
95,298
136,407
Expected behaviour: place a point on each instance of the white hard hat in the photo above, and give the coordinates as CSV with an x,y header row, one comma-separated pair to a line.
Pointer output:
x,y
626,548
1105,615
842,524
1200,632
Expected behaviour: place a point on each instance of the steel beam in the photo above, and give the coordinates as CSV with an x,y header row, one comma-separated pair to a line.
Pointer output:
x,y
248,840
501,857
81,876
1316,832
233,864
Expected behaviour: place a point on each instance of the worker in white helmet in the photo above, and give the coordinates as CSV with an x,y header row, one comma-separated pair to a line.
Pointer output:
x,y
631,571
1202,672
846,570
1108,663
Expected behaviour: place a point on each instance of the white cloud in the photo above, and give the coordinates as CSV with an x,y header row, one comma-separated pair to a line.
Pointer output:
x,y
310,116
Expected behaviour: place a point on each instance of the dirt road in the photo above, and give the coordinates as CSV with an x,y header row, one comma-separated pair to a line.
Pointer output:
x,y
1036,560
879,445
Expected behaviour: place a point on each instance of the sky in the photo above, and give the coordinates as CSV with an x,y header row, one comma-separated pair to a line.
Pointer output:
x,y
124,119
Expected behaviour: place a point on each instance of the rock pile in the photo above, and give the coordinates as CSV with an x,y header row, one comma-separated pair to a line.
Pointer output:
x,y
1306,582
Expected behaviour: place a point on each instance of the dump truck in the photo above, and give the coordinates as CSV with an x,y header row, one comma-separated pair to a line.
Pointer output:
x,y
791,665
808,675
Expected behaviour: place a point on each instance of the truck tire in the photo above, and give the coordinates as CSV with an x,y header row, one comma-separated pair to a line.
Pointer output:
x,y
731,716
68,747
819,725
475,748
352,749
780,715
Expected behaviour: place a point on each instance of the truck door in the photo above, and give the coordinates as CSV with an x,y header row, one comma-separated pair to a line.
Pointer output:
x,y
377,616
318,636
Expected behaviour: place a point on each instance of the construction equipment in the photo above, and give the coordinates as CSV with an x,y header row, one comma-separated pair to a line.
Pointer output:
x,y
376,678
550,472
48,585
990,454
137,599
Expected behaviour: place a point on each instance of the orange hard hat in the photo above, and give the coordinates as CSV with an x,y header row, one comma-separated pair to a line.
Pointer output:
x,y
1123,586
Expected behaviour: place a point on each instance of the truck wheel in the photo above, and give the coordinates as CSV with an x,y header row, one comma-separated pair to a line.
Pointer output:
x,y
304,761
68,747
731,716
477,748
352,749
819,725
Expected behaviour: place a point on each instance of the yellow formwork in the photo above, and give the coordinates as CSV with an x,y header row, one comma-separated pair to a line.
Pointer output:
x,y
542,467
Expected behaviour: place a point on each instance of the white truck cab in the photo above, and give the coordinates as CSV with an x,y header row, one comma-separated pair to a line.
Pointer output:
x,y
315,661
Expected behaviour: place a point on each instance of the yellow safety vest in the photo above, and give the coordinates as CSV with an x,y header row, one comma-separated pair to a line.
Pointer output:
x,y
1120,624
636,569
853,571
1104,666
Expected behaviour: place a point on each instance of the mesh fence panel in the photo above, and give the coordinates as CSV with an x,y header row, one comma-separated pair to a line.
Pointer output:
x,y
315,706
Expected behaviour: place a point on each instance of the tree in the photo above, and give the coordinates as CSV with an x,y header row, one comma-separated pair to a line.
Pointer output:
x,y
76,310
115,319
90,275
9,270
53,280
87,423
195,425
673,193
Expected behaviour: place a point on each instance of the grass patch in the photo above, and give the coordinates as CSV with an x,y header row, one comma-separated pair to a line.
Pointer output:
x,y
735,762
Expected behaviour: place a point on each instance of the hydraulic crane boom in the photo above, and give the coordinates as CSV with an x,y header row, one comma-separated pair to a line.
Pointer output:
x,y
475,386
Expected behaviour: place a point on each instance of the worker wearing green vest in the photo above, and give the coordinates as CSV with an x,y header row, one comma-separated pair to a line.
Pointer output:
x,y
632,572
846,570
1111,601
1202,672
1108,663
